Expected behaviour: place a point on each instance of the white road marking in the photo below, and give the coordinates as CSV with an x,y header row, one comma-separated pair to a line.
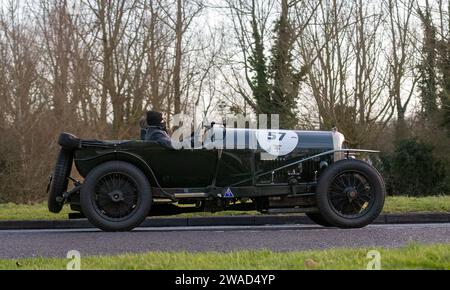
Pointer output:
x,y
232,228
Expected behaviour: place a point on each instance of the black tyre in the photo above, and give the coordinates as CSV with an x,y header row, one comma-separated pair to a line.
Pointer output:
x,y
59,180
69,141
116,197
350,194
318,219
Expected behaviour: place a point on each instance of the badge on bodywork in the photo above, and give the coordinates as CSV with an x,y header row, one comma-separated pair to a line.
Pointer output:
x,y
228,194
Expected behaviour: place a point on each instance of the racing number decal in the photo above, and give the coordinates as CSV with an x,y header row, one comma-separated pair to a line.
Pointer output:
x,y
277,143
276,135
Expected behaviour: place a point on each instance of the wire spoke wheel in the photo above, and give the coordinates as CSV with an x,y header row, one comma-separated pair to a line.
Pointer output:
x,y
116,196
351,195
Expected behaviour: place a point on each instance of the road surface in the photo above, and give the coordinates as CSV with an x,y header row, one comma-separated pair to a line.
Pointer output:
x,y
56,243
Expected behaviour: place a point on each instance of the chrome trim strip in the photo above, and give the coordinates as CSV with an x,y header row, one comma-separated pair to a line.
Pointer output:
x,y
191,195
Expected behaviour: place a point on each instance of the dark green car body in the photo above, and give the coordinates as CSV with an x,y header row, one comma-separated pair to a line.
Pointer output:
x,y
208,168
240,169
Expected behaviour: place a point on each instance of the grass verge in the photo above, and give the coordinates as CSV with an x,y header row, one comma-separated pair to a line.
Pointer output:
x,y
432,204
413,257
437,204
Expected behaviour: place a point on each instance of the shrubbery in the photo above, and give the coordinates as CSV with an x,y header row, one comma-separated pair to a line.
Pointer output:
x,y
412,169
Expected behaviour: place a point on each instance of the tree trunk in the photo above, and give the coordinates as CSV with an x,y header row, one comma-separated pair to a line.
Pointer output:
x,y
178,56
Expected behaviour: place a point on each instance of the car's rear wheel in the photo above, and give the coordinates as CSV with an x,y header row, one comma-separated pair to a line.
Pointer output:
x,y
116,196
350,194
60,180
318,219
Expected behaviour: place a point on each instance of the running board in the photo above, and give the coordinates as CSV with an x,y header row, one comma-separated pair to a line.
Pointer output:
x,y
191,195
277,211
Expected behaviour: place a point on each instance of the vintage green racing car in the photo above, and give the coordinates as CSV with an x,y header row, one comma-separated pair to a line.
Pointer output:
x,y
307,171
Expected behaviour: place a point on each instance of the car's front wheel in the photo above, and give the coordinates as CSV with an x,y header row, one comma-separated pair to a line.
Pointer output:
x,y
116,197
350,194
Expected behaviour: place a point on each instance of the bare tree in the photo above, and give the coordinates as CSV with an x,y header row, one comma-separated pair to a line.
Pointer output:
x,y
248,75
23,105
117,23
347,75
402,80
180,21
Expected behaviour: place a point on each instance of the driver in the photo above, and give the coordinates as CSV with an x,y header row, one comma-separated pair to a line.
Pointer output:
x,y
156,130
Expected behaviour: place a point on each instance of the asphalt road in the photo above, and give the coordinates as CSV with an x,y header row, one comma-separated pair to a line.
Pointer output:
x,y
56,243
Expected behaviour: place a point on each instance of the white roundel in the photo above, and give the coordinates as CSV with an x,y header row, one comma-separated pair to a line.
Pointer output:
x,y
277,142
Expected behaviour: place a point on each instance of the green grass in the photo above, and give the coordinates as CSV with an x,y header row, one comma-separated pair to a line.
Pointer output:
x,y
11,211
434,204
410,257
439,204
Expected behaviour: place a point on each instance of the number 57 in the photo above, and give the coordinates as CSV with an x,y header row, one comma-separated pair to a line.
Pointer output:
x,y
276,136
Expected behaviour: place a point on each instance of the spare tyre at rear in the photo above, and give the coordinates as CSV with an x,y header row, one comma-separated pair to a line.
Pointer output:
x,y
69,141
60,180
